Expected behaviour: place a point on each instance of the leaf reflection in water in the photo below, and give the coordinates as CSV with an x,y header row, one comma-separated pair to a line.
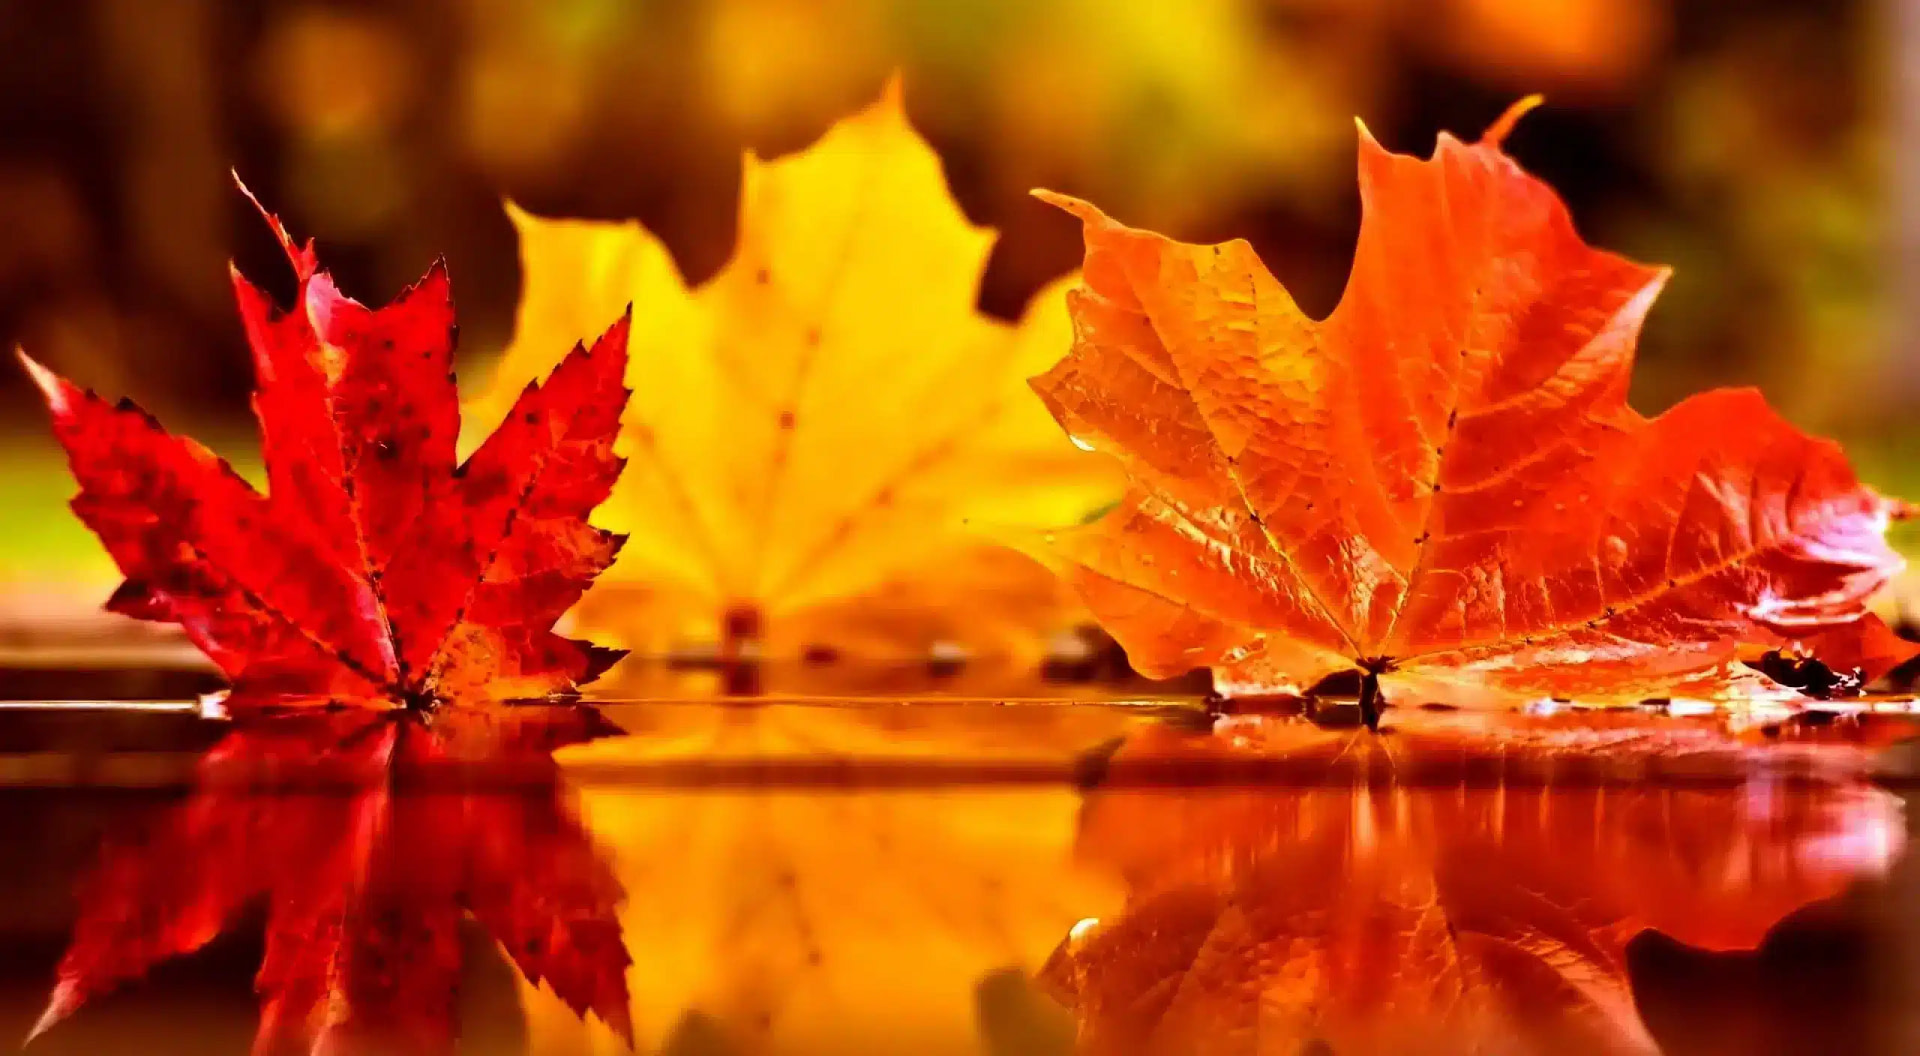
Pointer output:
x,y
1457,884
369,836
809,878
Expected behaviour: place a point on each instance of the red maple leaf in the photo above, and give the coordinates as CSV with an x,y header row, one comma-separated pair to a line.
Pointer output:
x,y
381,573
377,569
369,837
1440,483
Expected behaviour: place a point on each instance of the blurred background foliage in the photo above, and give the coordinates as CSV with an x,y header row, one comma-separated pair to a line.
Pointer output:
x,y
1747,144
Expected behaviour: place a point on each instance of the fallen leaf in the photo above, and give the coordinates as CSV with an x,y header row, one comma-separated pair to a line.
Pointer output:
x,y
369,836
1840,662
819,878
1453,885
822,419
1440,484
376,569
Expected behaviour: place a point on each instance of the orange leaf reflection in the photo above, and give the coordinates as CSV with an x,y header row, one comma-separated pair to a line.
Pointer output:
x,y
369,837
1453,885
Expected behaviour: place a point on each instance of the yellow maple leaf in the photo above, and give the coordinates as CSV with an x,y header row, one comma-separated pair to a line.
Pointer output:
x,y
818,431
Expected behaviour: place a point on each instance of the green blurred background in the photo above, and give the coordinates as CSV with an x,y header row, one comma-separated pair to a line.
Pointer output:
x,y
1751,145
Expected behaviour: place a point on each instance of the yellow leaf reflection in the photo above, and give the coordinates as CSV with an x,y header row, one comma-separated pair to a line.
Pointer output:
x,y
1451,886
817,879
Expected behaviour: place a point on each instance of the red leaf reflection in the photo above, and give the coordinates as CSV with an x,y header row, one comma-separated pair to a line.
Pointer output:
x,y
1453,885
369,836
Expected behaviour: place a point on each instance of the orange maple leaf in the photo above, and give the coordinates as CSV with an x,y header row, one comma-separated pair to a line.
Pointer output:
x,y
1466,885
1440,483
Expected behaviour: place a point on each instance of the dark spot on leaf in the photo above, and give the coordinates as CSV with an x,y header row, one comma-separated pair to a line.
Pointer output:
x,y
741,623
1809,675
819,655
945,666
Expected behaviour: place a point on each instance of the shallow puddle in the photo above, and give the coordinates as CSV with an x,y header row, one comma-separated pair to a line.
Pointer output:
x,y
955,875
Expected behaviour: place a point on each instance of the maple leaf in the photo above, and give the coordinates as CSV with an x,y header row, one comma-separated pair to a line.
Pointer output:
x,y
776,858
1460,886
823,417
376,569
1439,484
369,837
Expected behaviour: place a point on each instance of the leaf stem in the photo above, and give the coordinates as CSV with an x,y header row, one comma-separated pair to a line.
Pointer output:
x,y
740,631
1370,701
